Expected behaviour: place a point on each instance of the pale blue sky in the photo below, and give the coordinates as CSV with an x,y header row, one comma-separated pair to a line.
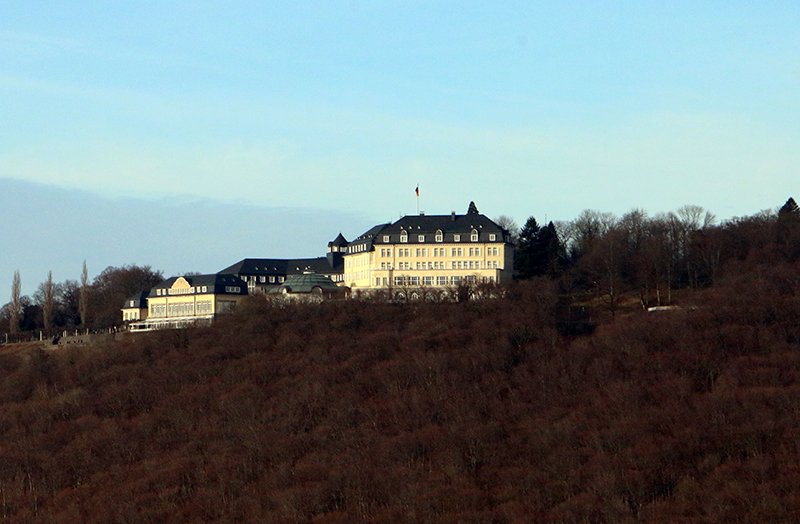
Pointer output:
x,y
338,109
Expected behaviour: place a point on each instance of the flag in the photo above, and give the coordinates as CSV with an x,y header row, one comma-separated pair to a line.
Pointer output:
x,y
417,190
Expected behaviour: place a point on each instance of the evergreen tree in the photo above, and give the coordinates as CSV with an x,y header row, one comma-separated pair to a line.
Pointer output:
x,y
527,257
539,251
787,229
789,208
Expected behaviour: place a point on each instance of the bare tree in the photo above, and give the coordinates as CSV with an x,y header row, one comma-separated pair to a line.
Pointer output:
x,y
46,296
16,305
509,224
587,228
83,297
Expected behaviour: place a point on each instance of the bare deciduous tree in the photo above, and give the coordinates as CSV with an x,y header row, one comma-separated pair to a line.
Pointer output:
x,y
16,305
509,224
83,297
46,296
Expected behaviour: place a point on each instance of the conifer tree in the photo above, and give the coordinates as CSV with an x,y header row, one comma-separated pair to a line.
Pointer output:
x,y
539,251
789,208
527,258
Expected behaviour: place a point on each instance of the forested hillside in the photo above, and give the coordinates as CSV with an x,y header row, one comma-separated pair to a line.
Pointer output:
x,y
559,400
375,412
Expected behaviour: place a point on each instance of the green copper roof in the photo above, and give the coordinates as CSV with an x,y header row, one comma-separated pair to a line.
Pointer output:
x,y
306,282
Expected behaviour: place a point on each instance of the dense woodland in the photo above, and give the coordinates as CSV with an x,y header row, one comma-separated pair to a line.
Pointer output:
x,y
560,400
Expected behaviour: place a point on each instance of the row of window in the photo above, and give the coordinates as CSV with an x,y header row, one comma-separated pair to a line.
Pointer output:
x,y
453,264
422,252
439,237
263,279
182,309
181,291
430,281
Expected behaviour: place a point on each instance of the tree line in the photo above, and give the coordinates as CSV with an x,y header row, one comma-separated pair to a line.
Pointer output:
x,y
611,257
56,306
650,257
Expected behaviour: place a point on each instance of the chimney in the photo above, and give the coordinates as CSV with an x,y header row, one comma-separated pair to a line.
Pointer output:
x,y
422,213
452,216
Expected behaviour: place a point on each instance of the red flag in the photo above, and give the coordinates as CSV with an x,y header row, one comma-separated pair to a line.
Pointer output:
x,y
417,190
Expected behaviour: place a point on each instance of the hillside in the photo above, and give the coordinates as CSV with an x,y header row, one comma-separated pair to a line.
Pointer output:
x,y
375,412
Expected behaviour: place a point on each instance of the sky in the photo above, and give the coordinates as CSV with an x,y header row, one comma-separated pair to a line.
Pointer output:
x,y
194,134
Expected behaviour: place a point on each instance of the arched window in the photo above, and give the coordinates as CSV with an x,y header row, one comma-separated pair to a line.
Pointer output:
x,y
474,236
404,236
439,235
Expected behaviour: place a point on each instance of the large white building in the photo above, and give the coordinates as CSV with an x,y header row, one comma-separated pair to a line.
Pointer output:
x,y
416,254
429,251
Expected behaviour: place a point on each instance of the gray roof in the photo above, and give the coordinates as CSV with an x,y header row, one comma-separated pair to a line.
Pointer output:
x,y
282,267
430,225
339,241
139,300
217,281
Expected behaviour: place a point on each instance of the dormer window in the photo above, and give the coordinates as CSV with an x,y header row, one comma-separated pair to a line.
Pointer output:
x,y
404,236
421,238
474,236
386,238
439,235
456,238
492,237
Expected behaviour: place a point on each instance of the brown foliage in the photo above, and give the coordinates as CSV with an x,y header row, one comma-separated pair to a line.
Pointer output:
x,y
419,412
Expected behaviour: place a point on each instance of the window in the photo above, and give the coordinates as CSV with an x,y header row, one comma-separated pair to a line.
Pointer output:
x,y
205,289
456,238
427,281
474,236
386,238
413,281
377,281
131,303
404,237
455,280
233,289
441,281
492,237
399,281
262,279
421,238
439,235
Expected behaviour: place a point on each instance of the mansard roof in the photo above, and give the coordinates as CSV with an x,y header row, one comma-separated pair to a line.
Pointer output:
x,y
215,279
138,301
338,241
430,225
283,266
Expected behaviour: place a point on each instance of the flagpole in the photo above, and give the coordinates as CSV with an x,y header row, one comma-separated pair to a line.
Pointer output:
x,y
417,191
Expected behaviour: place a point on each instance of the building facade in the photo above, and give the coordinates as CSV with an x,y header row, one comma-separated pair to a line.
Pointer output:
x,y
435,251
190,300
